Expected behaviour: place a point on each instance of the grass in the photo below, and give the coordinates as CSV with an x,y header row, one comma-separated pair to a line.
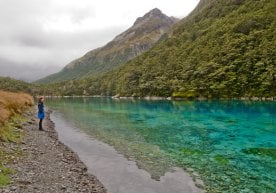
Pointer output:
x,y
11,107
9,134
12,104
5,175
8,131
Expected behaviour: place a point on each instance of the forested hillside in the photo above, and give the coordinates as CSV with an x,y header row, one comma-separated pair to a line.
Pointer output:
x,y
223,49
139,38
13,85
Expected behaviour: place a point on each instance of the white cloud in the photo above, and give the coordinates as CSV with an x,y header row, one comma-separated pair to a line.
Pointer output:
x,y
44,36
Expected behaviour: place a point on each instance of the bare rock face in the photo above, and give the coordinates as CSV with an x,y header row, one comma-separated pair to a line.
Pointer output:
x,y
139,38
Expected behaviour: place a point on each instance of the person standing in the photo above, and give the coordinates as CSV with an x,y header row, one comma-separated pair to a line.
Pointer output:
x,y
40,113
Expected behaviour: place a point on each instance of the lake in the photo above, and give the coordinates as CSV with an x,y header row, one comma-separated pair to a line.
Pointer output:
x,y
230,144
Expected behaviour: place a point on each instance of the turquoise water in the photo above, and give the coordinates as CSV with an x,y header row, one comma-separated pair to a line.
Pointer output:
x,y
230,144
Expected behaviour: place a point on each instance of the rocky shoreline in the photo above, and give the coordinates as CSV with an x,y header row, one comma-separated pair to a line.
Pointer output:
x,y
153,98
47,165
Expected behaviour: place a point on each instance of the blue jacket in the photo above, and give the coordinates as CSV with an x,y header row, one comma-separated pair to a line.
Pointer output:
x,y
40,113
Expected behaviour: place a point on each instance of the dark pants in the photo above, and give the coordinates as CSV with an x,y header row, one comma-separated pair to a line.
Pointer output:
x,y
40,124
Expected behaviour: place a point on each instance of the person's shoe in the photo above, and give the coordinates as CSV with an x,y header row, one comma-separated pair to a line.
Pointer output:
x,y
40,129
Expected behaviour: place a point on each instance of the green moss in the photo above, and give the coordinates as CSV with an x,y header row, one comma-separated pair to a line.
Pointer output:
x,y
221,159
262,151
190,151
4,175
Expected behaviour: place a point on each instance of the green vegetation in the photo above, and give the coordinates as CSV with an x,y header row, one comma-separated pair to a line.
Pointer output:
x,y
221,159
9,134
187,151
13,85
224,49
11,106
145,32
262,151
4,175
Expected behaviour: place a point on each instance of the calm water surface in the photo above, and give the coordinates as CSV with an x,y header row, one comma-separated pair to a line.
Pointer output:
x,y
230,144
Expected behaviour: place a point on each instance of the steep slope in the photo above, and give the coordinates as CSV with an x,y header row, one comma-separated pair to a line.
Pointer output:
x,y
136,40
222,49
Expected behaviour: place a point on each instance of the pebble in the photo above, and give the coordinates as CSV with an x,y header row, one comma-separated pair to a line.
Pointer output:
x,y
13,188
47,160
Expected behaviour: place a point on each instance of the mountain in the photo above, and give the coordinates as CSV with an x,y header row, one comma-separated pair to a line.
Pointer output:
x,y
144,33
223,49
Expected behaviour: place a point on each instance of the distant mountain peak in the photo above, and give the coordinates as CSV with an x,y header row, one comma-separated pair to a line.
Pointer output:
x,y
154,11
157,13
154,20
137,39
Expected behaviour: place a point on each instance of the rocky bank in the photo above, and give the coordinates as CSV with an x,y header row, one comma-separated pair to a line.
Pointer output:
x,y
47,165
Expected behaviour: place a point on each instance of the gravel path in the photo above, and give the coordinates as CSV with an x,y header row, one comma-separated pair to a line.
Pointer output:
x,y
48,165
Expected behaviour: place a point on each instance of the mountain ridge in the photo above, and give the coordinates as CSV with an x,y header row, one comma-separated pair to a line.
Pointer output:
x,y
223,49
140,37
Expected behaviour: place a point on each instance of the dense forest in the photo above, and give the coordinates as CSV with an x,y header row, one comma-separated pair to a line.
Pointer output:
x,y
223,49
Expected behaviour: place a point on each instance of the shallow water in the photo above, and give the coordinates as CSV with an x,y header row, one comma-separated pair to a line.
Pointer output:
x,y
115,172
231,144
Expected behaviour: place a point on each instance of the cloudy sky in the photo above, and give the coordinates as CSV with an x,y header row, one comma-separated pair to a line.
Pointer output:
x,y
39,37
